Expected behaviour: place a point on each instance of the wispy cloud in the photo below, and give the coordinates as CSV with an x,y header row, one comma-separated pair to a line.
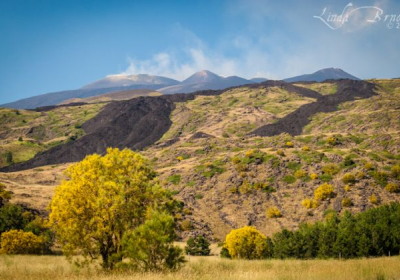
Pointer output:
x,y
279,42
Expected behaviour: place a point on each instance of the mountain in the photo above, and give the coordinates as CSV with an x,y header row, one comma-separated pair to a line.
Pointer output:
x,y
54,98
109,84
258,80
322,75
114,96
202,80
205,80
203,76
228,155
130,80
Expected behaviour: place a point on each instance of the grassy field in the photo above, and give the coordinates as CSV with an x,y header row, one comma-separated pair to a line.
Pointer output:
x,y
56,267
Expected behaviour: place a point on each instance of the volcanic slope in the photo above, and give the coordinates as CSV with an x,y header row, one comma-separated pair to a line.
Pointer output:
x,y
208,156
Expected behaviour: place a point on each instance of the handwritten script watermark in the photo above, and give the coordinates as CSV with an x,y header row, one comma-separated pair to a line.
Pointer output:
x,y
359,15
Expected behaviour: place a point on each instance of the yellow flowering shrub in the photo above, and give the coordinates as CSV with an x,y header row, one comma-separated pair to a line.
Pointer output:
x,y
373,199
289,144
179,158
310,203
300,174
249,153
273,212
324,191
246,243
21,242
313,176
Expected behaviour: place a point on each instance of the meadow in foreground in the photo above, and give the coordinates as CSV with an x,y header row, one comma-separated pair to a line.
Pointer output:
x,y
57,267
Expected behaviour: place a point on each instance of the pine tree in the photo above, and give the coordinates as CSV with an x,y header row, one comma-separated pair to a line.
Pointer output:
x,y
198,246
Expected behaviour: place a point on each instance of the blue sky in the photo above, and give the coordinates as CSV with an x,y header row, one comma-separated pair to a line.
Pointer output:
x,y
55,45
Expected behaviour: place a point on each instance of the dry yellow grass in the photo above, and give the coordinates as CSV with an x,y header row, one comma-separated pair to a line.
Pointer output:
x,y
56,267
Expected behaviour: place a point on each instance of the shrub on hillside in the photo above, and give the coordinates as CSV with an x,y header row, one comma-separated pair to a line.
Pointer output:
x,y
369,166
273,212
347,202
21,242
330,169
310,203
306,148
289,144
198,246
313,176
280,153
360,175
289,179
395,171
392,187
246,243
380,177
373,199
186,225
5,195
332,141
324,191
299,174
348,161
349,178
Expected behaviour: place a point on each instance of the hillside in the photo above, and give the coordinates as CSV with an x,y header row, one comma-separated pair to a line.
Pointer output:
x,y
231,154
114,96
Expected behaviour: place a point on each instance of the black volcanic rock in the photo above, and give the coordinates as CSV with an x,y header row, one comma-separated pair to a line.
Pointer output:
x,y
133,124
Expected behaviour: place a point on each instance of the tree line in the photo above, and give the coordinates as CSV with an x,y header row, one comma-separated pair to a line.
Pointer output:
x,y
375,232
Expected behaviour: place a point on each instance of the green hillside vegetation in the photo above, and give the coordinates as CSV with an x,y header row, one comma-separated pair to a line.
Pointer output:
x,y
323,88
24,133
257,173
234,113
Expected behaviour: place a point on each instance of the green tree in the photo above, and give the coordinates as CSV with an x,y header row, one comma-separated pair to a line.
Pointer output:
x,y
11,217
198,246
5,195
346,239
9,157
105,197
149,247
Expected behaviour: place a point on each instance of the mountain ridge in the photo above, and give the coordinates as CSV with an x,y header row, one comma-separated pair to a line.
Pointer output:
x,y
322,75
202,80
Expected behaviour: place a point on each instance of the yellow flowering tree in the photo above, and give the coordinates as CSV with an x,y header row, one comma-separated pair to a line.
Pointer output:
x,y
105,197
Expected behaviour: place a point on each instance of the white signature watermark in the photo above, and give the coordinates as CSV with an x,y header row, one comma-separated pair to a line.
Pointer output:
x,y
372,14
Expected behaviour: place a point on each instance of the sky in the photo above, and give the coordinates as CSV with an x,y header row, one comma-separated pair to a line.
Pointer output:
x,y
54,45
